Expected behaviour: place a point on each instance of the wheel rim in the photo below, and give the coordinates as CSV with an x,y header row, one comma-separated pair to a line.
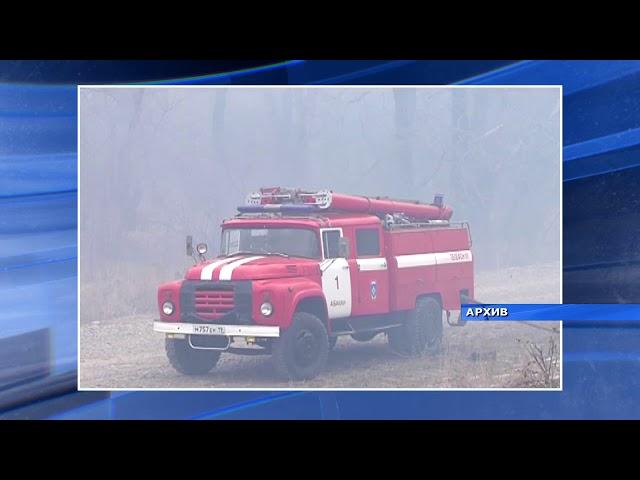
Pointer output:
x,y
306,348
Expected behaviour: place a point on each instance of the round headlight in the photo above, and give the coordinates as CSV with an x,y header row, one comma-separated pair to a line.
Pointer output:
x,y
167,308
266,309
201,248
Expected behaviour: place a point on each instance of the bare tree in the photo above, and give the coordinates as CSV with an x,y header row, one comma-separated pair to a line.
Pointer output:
x,y
402,163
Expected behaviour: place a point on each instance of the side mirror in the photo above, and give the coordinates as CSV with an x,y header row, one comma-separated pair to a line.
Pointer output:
x,y
343,248
189,246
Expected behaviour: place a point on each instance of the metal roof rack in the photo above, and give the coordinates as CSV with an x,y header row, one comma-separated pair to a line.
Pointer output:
x,y
292,201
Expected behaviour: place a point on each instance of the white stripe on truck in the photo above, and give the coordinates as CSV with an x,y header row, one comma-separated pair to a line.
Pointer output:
x,y
207,270
371,264
430,259
227,270
416,260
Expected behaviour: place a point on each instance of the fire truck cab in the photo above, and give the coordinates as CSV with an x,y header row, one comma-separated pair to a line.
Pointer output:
x,y
298,269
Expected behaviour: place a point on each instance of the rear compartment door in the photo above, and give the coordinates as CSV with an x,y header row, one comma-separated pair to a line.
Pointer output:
x,y
371,273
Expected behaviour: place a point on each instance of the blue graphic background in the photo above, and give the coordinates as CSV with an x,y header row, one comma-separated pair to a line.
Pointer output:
x,y
601,171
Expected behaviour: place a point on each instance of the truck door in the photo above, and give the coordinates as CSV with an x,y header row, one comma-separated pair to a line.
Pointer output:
x,y
336,280
371,273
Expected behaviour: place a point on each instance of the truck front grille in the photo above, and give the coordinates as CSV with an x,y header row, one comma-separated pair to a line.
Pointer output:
x,y
219,302
213,304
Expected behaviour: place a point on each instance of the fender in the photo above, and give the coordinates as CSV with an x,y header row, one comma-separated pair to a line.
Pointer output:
x,y
170,292
451,295
285,294
450,299
315,293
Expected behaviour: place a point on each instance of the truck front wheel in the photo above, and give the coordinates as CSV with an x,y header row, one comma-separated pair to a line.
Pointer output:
x,y
421,330
188,360
301,352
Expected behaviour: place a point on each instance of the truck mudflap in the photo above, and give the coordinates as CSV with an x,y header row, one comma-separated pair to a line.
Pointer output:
x,y
464,300
257,331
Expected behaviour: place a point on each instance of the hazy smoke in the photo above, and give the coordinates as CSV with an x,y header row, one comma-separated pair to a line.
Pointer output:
x,y
158,164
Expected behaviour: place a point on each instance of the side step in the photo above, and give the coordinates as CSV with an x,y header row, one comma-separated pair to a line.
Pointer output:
x,y
354,325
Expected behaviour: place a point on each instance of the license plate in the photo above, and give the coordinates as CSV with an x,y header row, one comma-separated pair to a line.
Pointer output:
x,y
208,329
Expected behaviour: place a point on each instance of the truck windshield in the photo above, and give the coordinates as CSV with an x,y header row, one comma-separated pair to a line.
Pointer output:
x,y
294,242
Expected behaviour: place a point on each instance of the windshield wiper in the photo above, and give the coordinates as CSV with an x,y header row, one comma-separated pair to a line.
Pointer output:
x,y
245,252
240,252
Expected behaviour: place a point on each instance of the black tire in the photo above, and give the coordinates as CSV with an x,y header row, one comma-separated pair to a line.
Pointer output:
x,y
332,342
421,330
187,360
301,352
364,336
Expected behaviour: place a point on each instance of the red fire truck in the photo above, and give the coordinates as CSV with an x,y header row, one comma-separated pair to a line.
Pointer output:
x,y
297,269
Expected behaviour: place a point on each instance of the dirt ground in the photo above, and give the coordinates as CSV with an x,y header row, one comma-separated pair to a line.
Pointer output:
x,y
125,353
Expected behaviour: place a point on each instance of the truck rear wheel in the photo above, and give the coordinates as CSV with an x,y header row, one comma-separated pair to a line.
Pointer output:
x,y
421,330
301,352
187,360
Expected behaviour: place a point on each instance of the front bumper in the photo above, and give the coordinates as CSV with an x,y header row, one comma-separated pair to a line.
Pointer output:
x,y
211,329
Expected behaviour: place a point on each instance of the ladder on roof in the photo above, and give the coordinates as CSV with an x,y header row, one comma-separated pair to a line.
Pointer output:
x,y
289,196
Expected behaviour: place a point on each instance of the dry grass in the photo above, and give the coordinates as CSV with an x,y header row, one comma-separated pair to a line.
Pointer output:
x,y
120,349
126,353
543,368
122,289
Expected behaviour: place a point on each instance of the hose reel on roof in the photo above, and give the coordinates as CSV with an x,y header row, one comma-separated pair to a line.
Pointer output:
x,y
288,200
